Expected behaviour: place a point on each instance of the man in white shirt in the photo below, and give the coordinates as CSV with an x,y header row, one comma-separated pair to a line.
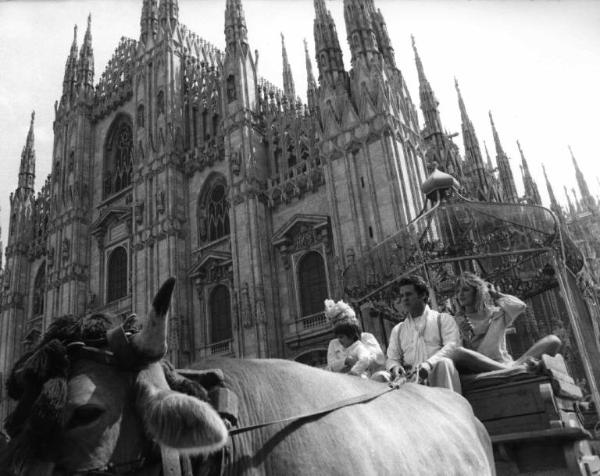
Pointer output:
x,y
425,340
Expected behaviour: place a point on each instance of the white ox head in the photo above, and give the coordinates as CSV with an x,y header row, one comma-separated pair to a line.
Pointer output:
x,y
77,413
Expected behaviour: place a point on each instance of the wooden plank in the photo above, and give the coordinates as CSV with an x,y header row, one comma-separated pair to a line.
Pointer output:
x,y
511,401
518,424
569,434
473,393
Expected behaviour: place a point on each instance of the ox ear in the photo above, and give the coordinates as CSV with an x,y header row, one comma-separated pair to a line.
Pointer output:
x,y
176,420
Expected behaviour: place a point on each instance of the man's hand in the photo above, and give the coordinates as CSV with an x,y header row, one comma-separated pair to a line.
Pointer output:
x,y
397,371
350,361
424,370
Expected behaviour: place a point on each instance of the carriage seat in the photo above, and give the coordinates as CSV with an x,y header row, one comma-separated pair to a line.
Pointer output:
x,y
553,369
514,403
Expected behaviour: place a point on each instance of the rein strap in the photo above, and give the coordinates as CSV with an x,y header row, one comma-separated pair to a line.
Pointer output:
x,y
364,398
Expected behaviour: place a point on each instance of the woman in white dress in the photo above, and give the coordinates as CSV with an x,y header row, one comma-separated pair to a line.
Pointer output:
x,y
352,351
483,316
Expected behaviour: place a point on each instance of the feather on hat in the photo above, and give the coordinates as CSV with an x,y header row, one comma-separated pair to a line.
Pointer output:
x,y
340,313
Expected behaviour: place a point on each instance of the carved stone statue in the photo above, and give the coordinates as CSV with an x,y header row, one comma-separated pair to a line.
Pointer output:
x,y
236,162
202,226
65,249
139,212
160,201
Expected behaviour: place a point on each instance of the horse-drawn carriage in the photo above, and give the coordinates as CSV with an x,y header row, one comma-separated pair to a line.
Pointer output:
x,y
539,422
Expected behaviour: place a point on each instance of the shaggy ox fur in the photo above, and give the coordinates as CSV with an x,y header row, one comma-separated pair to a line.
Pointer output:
x,y
38,382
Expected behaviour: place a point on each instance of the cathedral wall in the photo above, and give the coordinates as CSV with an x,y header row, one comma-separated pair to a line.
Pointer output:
x,y
113,237
378,178
286,279
343,191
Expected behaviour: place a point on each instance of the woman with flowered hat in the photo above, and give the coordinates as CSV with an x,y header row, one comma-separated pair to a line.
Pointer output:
x,y
352,351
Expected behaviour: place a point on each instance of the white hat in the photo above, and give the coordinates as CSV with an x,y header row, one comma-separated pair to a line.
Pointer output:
x,y
339,313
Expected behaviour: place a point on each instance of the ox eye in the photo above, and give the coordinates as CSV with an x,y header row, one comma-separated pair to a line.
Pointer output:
x,y
84,415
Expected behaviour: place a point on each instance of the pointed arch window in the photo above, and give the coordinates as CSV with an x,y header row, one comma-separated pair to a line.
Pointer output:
x,y
292,160
277,159
39,291
195,126
220,314
213,211
312,282
118,160
116,284
215,124
140,116
304,152
205,132
231,93
160,103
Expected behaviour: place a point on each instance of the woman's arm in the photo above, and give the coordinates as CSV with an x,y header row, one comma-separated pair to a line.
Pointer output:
x,y
512,306
335,358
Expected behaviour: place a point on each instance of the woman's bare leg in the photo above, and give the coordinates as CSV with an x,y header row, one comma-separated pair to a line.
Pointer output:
x,y
547,345
470,361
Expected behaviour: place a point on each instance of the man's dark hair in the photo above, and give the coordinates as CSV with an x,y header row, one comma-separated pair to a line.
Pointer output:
x,y
352,331
419,284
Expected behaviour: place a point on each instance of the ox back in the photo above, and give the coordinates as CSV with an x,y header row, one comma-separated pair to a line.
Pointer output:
x,y
414,430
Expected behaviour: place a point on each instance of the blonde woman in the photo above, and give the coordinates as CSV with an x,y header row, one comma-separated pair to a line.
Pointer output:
x,y
483,316
351,351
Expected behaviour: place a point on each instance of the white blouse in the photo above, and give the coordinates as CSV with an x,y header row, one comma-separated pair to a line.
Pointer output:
x,y
366,352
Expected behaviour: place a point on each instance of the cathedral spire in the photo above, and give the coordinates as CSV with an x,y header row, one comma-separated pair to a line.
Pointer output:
x,y
554,206
27,168
576,202
382,35
473,156
497,143
311,84
531,188
235,24
359,29
168,13
572,210
288,80
489,164
310,77
149,20
70,78
505,173
86,59
327,46
586,196
429,104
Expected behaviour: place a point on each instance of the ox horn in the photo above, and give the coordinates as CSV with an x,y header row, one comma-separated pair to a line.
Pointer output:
x,y
151,341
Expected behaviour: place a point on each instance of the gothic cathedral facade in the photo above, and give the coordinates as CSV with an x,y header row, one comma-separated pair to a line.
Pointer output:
x,y
182,161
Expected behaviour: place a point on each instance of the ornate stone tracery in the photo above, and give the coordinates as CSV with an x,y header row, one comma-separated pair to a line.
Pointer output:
x,y
118,160
300,233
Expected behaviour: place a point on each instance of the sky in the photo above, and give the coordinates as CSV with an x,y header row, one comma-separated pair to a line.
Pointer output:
x,y
535,64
